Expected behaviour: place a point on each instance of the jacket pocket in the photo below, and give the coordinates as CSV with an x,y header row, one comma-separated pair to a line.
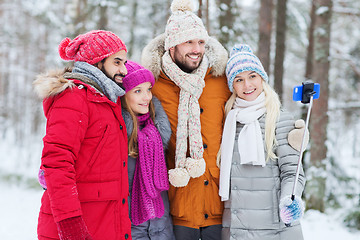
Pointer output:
x,y
213,194
101,203
177,197
100,146
102,191
276,201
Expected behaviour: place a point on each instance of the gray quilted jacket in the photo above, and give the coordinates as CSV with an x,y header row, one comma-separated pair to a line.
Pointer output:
x,y
158,228
252,211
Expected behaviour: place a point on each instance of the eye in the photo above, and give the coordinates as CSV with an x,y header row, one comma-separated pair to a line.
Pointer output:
x,y
253,76
202,42
238,79
137,91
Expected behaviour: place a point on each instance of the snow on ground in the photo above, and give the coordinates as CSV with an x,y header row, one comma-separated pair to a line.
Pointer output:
x,y
19,208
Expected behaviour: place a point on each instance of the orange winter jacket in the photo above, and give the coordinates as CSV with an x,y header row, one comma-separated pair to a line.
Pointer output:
x,y
198,204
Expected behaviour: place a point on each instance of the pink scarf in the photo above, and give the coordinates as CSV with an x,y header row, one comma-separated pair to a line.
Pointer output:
x,y
150,177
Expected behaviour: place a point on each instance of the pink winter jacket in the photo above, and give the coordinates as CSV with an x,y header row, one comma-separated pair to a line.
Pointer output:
x,y
84,159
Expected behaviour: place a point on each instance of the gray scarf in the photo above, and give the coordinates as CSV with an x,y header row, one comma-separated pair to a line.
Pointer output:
x,y
108,86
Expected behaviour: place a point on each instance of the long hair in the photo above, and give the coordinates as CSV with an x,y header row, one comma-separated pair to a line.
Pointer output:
x,y
133,148
272,105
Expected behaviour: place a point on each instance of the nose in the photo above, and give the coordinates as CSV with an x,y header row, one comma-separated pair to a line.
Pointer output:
x,y
148,96
196,48
247,83
123,70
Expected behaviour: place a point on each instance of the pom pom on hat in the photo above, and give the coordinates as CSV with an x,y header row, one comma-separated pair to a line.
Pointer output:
x,y
183,25
136,75
91,47
62,48
243,59
182,5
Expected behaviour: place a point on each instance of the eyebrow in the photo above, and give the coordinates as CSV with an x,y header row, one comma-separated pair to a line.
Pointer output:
x,y
120,59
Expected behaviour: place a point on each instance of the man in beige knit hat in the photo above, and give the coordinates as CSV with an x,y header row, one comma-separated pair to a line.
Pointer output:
x,y
190,83
189,68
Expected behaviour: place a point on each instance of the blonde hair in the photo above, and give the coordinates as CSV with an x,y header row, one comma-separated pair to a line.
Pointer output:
x,y
272,105
133,149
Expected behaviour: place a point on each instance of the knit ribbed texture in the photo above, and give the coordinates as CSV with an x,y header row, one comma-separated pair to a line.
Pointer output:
x,y
108,86
150,177
183,25
242,59
188,126
91,47
136,75
73,229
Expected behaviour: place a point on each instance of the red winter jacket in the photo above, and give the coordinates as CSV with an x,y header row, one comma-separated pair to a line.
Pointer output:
x,y
84,159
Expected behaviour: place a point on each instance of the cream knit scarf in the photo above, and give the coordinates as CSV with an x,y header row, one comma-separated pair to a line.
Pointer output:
x,y
191,86
250,140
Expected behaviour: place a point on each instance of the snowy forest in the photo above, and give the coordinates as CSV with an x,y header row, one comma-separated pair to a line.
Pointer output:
x,y
297,40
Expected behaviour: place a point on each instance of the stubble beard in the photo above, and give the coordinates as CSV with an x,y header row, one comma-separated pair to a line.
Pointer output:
x,y
185,65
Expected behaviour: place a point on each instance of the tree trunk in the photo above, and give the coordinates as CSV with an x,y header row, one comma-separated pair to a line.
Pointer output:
x,y
80,18
280,47
226,20
131,44
200,9
207,20
103,22
265,30
310,48
319,118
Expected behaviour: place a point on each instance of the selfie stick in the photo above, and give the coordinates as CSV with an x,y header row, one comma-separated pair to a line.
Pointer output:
x,y
302,146
306,96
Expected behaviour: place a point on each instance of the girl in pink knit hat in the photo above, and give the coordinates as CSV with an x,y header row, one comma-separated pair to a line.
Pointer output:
x,y
148,131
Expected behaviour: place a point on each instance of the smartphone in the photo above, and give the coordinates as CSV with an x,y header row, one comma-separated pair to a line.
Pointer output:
x,y
302,93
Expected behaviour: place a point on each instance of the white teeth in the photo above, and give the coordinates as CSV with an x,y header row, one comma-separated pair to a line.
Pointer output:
x,y
194,57
249,91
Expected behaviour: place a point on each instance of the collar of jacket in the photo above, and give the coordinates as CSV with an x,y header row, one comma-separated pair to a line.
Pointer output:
x,y
153,52
53,83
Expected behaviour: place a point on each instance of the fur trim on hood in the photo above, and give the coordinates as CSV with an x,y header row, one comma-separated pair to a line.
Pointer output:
x,y
52,83
153,52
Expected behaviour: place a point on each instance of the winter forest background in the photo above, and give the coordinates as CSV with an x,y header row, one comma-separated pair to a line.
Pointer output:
x,y
296,40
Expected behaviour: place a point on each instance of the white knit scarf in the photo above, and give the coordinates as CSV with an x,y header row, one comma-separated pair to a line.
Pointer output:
x,y
250,141
191,86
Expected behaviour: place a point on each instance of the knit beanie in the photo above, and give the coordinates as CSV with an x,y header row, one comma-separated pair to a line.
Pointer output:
x,y
136,75
91,47
242,59
183,25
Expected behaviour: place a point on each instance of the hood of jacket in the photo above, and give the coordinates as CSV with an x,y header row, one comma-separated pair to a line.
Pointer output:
x,y
153,52
52,83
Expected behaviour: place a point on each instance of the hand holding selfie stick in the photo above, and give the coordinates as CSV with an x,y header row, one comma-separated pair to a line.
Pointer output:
x,y
309,92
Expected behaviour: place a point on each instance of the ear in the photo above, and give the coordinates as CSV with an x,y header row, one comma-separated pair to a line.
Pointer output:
x,y
99,65
171,52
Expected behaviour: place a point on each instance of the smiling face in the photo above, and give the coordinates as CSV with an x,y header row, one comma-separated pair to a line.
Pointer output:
x,y
248,85
114,66
188,55
138,98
